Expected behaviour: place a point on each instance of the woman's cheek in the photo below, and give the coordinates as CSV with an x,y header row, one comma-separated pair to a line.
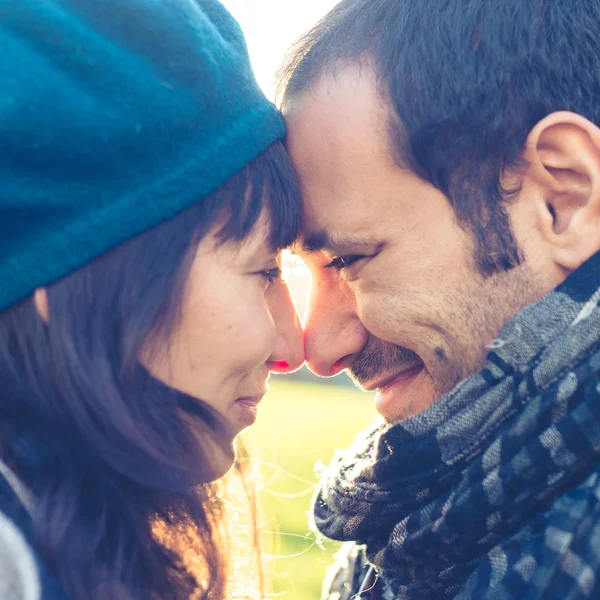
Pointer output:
x,y
263,333
269,336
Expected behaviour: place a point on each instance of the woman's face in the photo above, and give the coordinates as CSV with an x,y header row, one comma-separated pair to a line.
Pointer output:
x,y
237,324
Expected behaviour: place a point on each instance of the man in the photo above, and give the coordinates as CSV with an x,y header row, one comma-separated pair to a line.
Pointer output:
x,y
449,156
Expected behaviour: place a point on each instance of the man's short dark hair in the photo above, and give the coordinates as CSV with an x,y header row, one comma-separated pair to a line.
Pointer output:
x,y
467,80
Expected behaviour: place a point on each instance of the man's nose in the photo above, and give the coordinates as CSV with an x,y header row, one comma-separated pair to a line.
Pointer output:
x,y
288,354
333,333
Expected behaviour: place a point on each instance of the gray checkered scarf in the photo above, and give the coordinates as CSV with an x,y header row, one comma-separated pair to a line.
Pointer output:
x,y
494,491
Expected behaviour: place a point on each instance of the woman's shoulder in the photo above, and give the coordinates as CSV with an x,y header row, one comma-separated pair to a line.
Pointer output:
x,y
19,573
23,572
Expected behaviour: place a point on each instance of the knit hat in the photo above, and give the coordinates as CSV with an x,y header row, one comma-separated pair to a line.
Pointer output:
x,y
114,116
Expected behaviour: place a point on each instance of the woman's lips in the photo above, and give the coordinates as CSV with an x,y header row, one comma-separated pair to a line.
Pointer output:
x,y
391,399
246,410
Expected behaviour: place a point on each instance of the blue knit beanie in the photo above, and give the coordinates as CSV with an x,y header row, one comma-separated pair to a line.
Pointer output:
x,y
114,116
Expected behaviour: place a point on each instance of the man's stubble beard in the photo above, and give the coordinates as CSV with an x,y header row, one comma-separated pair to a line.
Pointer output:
x,y
479,311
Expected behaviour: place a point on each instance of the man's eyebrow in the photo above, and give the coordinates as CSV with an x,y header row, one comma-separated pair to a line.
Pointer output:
x,y
314,242
321,240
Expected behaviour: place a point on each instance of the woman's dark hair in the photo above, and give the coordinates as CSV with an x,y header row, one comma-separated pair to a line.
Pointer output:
x,y
466,81
117,462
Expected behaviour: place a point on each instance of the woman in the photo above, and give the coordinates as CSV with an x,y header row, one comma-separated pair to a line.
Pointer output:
x,y
144,198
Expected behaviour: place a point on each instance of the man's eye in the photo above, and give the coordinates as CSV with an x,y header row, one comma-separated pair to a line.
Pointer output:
x,y
343,262
271,275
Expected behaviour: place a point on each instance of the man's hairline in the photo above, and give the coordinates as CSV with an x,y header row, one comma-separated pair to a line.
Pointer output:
x,y
393,126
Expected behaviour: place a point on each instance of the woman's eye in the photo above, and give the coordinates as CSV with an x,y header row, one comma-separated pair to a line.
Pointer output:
x,y
343,262
271,275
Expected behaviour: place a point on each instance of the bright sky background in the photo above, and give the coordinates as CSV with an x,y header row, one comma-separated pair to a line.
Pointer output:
x,y
271,26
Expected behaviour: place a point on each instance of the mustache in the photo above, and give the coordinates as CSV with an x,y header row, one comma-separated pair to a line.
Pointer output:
x,y
379,359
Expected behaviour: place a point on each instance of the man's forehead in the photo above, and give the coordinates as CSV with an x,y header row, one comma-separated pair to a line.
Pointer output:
x,y
338,221
337,139
338,121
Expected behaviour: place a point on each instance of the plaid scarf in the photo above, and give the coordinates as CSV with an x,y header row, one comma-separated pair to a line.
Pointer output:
x,y
493,491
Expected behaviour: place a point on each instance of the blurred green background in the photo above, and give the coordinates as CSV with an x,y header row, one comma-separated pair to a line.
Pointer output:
x,y
300,424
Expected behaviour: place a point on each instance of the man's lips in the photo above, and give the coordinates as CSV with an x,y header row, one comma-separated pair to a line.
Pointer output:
x,y
383,384
394,399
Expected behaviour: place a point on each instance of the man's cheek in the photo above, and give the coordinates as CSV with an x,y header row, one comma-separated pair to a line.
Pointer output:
x,y
374,314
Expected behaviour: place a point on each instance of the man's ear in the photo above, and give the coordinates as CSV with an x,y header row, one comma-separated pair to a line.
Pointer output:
x,y
40,299
563,162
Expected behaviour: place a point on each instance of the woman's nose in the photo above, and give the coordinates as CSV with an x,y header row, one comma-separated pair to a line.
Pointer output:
x,y
288,354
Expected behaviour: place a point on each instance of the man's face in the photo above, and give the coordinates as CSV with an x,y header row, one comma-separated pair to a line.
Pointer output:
x,y
397,298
